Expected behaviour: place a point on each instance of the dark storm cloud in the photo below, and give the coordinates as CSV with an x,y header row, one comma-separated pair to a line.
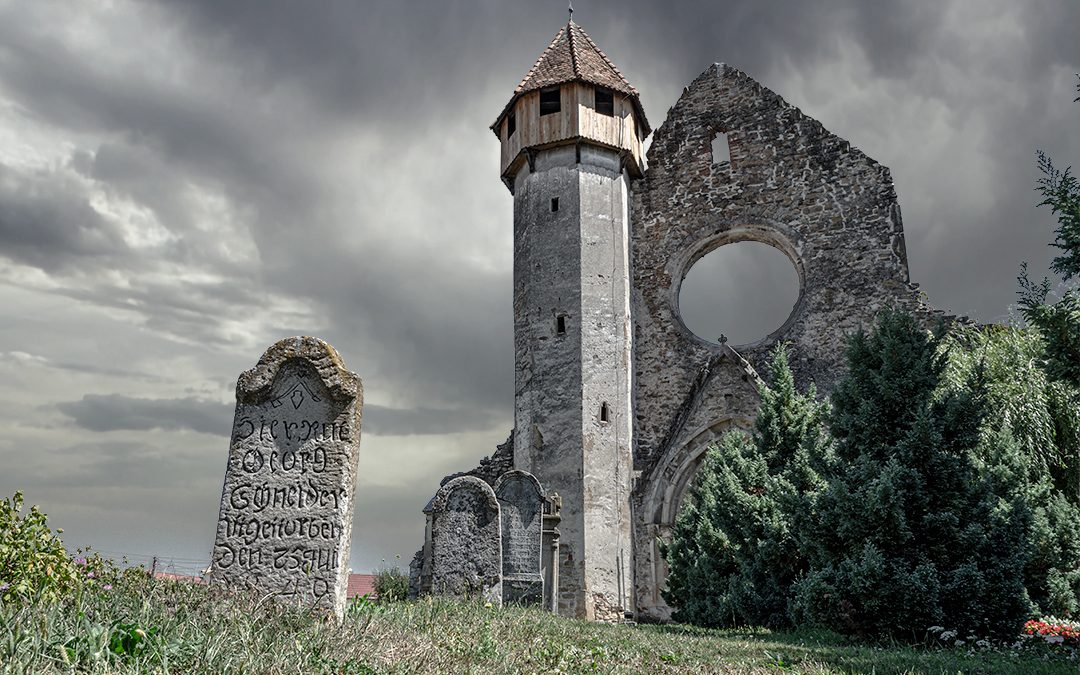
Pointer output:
x,y
414,72
224,174
116,412
111,412
47,222
257,147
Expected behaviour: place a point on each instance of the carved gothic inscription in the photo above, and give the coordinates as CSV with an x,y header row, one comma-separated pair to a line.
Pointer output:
x,y
286,508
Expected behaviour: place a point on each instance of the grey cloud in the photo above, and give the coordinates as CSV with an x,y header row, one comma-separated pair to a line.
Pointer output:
x,y
127,464
327,169
46,221
384,421
111,412
116,412
27,359
744,291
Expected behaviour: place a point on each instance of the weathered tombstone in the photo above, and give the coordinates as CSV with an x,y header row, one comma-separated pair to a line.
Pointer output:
x,y
285,521
521,505
466,556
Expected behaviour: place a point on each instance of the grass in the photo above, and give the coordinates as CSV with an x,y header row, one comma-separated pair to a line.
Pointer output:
x,y
150,626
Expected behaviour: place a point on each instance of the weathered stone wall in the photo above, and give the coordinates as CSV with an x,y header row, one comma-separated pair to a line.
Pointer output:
x,y
572,359
723,397
790,184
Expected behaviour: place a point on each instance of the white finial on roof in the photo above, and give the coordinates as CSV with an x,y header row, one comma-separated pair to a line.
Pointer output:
x,y
571,4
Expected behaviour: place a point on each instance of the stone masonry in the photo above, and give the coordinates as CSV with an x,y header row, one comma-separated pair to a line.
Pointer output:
x,y
285,520
790,184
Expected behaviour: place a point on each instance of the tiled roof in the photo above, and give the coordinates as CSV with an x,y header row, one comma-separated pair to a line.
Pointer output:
x,y
361,584
178,577
573,56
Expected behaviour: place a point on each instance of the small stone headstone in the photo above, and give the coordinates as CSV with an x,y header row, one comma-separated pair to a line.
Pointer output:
x,y
466,558
521,505
285,521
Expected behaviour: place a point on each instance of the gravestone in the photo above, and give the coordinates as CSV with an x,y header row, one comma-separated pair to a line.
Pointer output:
x,y
466,556
521,505
285,521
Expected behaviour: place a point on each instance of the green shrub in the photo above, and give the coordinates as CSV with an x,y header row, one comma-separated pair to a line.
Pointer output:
x,y
910,532
391,584
34,565
734,552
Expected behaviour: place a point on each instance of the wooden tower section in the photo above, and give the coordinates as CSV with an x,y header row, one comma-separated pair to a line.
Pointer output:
x,y
573,94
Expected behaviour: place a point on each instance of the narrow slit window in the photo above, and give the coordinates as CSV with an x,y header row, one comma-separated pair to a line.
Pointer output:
x,y
550,100
605,101
511,124
554,204
721,150
560,324
604,412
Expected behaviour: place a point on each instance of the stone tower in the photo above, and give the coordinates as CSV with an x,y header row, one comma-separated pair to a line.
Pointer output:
x,y
571,142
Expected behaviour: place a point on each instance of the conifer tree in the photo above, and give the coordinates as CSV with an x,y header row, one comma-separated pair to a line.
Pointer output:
x,y
734,552
1059,322
909,534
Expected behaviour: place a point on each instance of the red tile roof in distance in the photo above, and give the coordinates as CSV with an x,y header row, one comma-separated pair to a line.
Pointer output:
x,y
573,56
361,584
178,577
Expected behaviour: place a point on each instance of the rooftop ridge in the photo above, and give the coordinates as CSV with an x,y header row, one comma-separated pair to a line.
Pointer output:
x,y
573,54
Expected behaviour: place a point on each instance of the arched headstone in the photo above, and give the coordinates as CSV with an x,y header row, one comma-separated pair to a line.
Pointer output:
x,y
285,520
521,505
465,540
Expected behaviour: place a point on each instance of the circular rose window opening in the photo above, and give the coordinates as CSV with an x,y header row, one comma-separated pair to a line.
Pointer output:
x,y
743,291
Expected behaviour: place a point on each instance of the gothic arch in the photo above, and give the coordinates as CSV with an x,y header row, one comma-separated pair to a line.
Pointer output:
x,y
662,494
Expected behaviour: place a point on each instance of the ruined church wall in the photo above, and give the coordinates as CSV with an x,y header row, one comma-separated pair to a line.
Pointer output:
x,y
791,184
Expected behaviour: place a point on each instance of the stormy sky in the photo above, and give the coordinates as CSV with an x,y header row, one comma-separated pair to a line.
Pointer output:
x,y
184,183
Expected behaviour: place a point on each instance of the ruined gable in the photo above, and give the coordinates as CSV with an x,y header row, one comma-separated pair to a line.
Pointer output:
x,y
790,184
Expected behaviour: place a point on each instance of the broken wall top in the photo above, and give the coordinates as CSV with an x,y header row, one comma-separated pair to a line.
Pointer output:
x,y
791,184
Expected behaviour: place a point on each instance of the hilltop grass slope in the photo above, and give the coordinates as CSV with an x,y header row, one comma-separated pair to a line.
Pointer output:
x,y
138,625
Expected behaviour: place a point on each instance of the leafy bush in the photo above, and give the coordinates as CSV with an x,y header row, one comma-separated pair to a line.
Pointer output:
x,y
391,584
734,552
34,562
910,533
